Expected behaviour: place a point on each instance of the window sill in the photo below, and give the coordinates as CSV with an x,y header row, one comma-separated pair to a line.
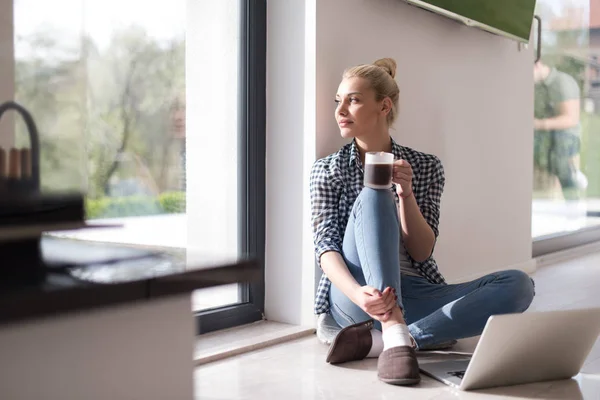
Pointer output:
x,y
168,231
244,339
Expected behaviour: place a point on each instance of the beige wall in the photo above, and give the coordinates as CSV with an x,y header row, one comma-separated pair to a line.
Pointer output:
x,y
7,75
467,96
290,271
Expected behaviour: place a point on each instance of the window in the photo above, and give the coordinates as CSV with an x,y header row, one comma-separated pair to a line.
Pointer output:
x,y
226,90
164,134
566,198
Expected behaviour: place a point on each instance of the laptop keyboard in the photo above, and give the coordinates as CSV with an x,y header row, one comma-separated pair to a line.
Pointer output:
x,y
458,374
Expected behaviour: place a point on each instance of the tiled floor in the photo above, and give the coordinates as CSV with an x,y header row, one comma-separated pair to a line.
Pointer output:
x,y
297,370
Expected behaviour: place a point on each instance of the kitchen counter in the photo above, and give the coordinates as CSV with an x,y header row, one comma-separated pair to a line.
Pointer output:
x,y
86,275
107,321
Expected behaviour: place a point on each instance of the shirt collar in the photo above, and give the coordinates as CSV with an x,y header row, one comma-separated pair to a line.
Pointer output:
x,y
355,154
397,150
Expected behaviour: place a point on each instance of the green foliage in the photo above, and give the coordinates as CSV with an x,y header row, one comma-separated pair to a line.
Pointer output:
x,y
130,206
96,208
111,207
103,112
590,156
172,202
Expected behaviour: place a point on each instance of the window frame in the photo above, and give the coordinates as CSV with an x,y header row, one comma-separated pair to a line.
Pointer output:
x,y
563,241
251,184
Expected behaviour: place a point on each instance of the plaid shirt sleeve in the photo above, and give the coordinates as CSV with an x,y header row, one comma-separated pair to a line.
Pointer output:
x,y
324,199
430,206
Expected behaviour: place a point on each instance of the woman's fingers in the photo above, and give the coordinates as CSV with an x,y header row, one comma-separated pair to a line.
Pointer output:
x,y
401,176
383,308
376,308
384,304
402,167
392,301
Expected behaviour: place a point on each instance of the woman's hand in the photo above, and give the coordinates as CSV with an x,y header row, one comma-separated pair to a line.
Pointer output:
x,y
377,304
403,175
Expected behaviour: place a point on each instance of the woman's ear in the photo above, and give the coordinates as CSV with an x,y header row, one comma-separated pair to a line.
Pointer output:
x,y
386,105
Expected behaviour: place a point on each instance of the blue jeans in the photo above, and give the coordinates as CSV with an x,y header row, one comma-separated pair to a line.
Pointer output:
x,y
435,313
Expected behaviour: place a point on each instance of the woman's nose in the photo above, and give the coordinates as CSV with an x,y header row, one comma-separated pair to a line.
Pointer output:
x,y
341,109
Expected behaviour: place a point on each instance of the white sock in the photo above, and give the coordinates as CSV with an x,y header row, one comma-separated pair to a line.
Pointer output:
x,y
377,346
396,335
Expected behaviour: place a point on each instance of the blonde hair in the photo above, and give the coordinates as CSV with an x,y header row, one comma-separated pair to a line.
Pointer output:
x,y
381,76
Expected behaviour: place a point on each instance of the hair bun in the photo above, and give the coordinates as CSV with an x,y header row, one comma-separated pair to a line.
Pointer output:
x,y
388,64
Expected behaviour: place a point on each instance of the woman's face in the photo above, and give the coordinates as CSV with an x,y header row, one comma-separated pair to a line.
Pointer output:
x,y
358,113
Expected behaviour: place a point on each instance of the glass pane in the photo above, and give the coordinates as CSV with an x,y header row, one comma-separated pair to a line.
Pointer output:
x,y
106,84
213,66
566,194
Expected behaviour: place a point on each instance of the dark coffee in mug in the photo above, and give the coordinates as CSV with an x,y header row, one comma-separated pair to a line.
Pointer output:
x,y
379,168
378,175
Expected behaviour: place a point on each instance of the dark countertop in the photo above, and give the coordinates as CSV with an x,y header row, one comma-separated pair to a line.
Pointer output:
x,y
85,275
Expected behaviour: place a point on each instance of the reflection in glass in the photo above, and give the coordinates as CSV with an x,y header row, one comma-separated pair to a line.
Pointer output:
x,y
566,133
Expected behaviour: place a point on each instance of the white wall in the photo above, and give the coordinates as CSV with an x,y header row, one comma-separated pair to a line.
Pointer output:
x,y
7,68
466,96
290,268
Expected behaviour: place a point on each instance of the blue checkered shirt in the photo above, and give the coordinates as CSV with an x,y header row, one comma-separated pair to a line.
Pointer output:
x,y
335,183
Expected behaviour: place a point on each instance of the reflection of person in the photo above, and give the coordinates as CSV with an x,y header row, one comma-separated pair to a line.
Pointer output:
x,y
375,245
556,124
177,115
178,132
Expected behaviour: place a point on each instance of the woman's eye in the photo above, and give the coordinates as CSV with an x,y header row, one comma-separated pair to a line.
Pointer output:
x,y
337,101
354,100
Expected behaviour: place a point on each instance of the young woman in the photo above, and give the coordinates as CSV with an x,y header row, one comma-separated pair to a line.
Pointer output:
x,y
380,282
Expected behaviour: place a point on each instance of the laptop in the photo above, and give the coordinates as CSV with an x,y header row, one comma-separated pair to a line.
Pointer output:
x,y
521,348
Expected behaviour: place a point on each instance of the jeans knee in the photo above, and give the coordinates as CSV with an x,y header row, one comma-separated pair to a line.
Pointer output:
x,y
368,194
379,199
521,289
